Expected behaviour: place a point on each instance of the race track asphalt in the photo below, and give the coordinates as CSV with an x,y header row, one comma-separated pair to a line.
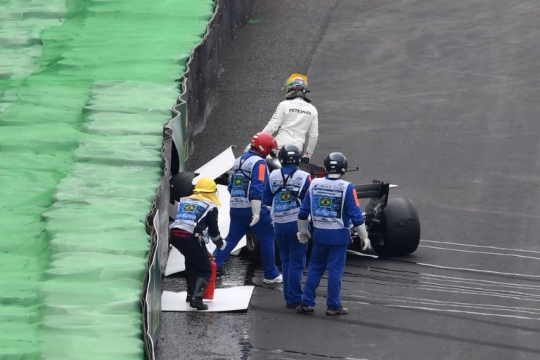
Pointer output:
x,y
439,97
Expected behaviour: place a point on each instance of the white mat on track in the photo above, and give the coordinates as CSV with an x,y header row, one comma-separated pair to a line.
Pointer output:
x,y
227,299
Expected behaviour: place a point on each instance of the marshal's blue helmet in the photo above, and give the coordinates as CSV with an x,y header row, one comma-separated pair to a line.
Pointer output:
x,y
335,164
289,155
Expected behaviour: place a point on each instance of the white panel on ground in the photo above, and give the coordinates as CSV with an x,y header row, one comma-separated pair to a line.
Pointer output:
x,y
224,220
228,299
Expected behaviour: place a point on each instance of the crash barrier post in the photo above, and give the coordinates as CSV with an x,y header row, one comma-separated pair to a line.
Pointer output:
x,y
151,299
157,225
197,98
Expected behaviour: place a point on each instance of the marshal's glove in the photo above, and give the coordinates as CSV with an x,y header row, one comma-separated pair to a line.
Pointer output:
x,y
255,212
219,242
305,160
303,234
362,232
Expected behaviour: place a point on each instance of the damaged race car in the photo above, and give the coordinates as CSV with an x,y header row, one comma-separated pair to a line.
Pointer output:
x,y
393,224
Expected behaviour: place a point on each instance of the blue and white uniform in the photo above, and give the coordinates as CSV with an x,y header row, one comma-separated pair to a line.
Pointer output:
x,y
333,206
249,175
284,192
192,218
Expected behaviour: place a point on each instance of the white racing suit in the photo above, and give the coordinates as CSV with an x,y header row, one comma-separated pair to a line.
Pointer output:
x,y
292,120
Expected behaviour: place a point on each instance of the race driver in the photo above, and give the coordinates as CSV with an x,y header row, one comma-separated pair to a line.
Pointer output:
x,y
295,117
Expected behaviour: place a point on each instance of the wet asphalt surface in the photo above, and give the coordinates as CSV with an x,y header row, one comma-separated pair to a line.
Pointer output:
x,y
438,97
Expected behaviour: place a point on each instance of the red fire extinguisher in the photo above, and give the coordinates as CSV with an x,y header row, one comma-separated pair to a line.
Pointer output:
x,y
209,293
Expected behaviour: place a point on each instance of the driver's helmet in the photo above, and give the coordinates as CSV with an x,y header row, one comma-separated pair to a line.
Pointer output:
x,y
296,83
289,155
205,185
335,165
263,143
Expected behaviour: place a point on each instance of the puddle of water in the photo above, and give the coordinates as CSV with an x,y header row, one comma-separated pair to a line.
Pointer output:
x,y
207,336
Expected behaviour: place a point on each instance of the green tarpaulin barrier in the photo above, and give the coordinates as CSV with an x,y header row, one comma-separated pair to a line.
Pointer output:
x,y
85,87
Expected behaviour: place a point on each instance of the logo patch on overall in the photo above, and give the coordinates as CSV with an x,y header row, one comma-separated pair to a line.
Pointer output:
x,y
285,196
238,181
189,207
325,201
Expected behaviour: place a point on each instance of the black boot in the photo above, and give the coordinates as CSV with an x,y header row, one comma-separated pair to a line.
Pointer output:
x,y
198,292
190,282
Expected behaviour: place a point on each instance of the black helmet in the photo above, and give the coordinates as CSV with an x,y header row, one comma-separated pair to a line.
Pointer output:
x,y
289,155
335,163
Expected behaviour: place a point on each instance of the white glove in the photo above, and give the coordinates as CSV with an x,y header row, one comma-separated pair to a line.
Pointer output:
x,y
219,242
303,234
362,232
255,212
366,244
224,245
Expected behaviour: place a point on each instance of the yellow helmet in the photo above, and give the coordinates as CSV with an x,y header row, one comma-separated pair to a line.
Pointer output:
x,y
205,185
296,82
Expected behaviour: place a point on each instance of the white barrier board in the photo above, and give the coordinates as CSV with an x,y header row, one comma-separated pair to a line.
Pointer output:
x,y
217,166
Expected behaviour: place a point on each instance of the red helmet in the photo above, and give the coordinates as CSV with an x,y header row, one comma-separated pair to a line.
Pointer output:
x,y
263,143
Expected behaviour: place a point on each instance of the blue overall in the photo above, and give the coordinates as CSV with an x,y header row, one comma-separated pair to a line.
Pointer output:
x,y
333,206
285,201
247,183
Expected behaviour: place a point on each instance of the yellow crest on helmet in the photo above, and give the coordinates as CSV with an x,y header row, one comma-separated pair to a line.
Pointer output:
x,y
295,77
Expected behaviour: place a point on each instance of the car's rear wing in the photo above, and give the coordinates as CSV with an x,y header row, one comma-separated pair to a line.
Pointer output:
x,y
378,193
375,190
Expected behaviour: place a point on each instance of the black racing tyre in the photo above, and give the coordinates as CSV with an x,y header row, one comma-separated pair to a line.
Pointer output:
x,y
223,179
252,249
181,185
400,229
